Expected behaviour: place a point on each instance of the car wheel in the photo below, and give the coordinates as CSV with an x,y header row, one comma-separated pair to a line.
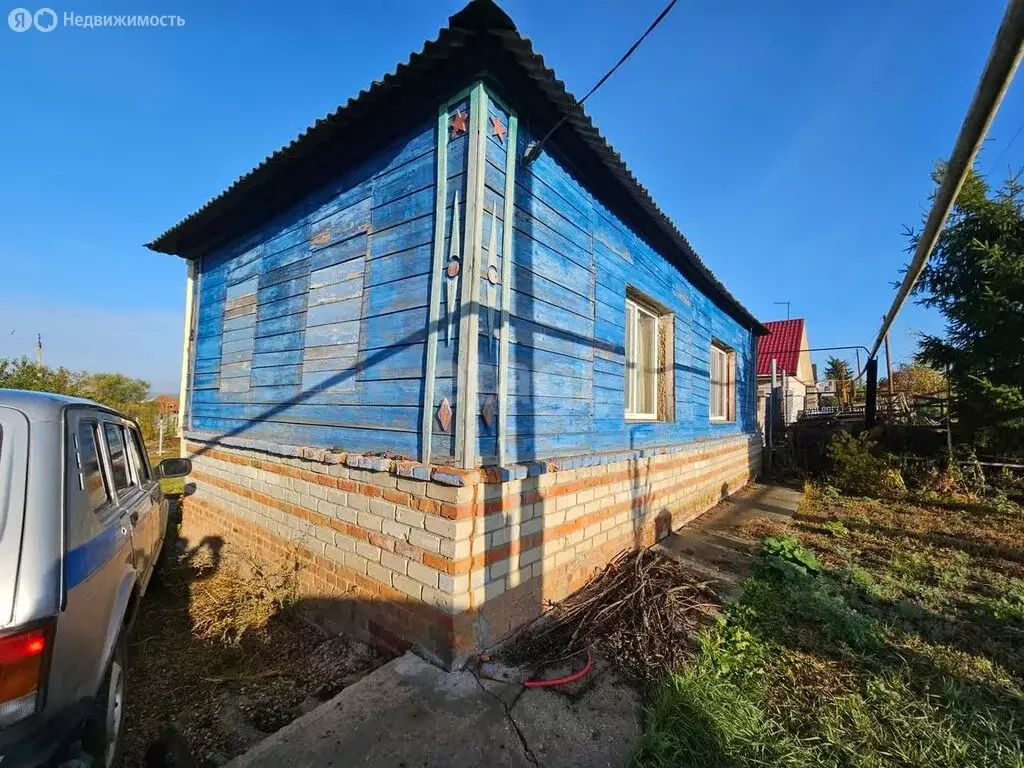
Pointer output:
x,y
102,737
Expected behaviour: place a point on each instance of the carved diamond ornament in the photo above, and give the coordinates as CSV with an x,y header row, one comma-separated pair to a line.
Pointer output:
x,y
487,412
444,414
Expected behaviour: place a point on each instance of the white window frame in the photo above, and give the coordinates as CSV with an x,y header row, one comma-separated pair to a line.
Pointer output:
x,y
633,312
728,396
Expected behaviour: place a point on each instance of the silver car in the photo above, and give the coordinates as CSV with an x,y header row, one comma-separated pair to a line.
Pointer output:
x,y
82,522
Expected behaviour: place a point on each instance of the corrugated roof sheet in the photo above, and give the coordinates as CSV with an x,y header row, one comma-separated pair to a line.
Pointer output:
x,y
783,343
466,48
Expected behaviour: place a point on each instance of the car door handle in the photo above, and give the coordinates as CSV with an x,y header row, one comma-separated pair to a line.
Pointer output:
x,y
133,517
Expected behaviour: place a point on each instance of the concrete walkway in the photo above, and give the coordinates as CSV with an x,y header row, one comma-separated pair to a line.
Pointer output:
x,y
410,713
715,544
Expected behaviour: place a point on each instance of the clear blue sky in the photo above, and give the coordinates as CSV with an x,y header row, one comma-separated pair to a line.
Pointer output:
x,y
790,141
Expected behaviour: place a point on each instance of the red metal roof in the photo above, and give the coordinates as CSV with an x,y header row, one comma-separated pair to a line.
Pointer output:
x,y
783,343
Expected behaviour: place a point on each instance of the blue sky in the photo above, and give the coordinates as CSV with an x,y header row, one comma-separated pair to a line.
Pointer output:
x,y
790,141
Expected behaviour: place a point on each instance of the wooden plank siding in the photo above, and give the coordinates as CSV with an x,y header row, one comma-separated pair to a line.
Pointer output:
x,y
315,329
311,331
572,259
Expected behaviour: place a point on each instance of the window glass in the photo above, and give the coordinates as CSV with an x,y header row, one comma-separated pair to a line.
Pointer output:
x,y
90,473
118,459
138,454
641,362
722,382
646,363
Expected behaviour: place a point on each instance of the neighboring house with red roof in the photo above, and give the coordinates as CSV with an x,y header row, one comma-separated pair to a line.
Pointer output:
x,y
787,344
166,405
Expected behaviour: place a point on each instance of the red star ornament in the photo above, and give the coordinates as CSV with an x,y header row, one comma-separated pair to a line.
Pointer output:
x,y
497,129
458,124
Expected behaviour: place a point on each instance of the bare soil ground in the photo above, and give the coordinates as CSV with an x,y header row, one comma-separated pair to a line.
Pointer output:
x,y
217,653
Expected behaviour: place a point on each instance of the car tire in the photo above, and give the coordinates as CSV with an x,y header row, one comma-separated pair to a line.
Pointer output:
x,y
102,736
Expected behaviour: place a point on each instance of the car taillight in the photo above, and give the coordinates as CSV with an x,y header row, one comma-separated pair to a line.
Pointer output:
x,y
23,658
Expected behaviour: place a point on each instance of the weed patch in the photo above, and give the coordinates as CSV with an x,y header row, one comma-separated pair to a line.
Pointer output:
x,y
879,634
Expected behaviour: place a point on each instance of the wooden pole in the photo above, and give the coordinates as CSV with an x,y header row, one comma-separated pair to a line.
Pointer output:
x,y
871,393
995,80
888,372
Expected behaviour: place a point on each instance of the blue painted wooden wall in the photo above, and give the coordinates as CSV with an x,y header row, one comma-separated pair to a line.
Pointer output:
x,y
571,262
312,330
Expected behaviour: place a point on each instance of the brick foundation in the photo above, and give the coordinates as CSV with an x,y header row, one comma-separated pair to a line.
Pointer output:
x,y
400,554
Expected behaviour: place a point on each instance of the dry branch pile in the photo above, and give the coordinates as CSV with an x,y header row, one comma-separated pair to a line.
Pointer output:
x,y
239,597
641,612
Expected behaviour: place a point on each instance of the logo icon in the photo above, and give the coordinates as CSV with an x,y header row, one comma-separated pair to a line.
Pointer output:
x,y
20,19
45,19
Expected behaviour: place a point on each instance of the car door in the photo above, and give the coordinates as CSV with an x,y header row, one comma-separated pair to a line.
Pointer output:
x,y
153,524
132,498
99,562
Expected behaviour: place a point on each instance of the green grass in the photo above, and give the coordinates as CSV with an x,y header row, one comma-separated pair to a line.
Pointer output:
x,y
172,485
169,485
869,634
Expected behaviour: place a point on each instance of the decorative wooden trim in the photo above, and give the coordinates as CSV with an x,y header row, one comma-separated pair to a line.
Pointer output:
x,y
187,350
197,293
511,151
437,277
469,306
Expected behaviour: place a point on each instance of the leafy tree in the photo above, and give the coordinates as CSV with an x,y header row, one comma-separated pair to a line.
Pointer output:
x,y
128,395
22,373
915,378
975,278
115,389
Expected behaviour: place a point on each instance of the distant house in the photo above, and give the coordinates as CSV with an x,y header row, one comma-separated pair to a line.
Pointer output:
x,y
455,377
787,344
166,405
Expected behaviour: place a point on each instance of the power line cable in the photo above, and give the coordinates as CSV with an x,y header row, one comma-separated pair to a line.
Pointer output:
x,y
1005,149
533,151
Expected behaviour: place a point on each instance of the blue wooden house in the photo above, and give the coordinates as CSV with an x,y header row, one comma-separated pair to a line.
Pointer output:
x,y
408,280
360,289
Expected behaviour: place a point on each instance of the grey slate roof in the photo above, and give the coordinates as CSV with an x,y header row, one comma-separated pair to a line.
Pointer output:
x,y
479,41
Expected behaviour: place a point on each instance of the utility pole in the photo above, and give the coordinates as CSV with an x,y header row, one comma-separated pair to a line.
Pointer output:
x,y
995,80
39,350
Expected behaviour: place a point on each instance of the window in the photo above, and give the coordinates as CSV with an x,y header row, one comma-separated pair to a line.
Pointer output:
x,y
641,362
138,455
723,383
650,380
118,459
90,473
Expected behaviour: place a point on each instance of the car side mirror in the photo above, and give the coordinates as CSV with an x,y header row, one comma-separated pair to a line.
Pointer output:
x,y
175,467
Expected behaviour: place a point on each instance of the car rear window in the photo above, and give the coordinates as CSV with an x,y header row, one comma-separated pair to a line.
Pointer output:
x,y
118,458
90,472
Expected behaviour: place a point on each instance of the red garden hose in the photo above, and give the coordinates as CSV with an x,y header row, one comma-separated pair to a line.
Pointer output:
x,y
561,680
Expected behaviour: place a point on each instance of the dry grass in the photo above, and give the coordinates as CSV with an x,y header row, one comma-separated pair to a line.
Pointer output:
x,y
219,652
243,598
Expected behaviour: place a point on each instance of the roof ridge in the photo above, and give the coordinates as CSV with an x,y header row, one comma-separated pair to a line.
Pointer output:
x,y
478,17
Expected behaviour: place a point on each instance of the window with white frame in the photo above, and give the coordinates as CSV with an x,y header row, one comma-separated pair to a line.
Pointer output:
x,y
642,352
723,383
